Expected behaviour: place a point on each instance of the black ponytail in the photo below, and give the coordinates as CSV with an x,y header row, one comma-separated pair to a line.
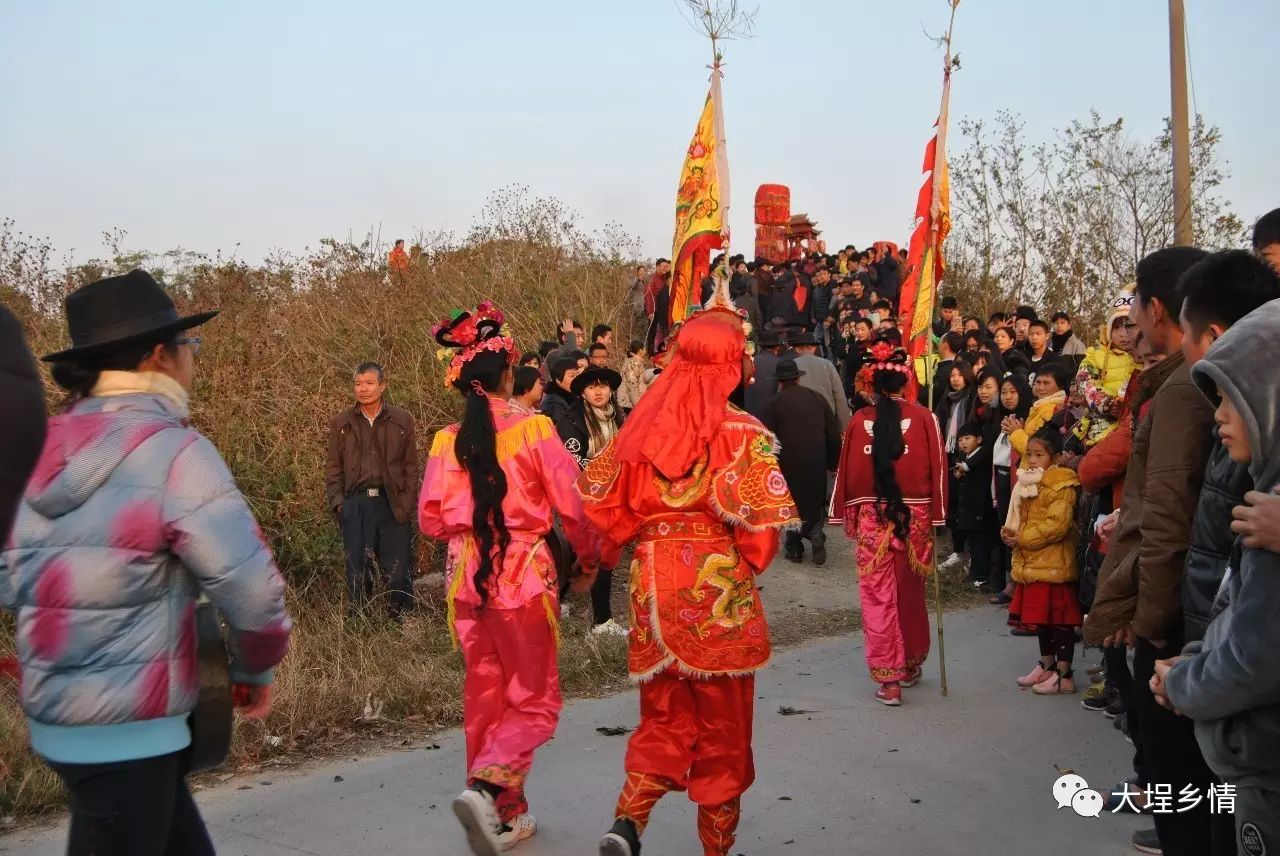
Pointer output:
x,y
79,376
886,447
477,452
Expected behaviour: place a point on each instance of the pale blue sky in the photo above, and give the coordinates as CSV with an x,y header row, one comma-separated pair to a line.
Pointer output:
x,y
273,124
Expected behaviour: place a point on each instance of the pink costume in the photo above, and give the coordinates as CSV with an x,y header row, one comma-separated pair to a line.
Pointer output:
x,y
511,703
891,574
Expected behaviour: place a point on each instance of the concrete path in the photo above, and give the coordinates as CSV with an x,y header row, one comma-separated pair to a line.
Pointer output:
x,y
968,774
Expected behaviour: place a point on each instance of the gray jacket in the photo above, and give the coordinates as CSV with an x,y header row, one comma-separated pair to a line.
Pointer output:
x,y
1230,684
129,515
821,377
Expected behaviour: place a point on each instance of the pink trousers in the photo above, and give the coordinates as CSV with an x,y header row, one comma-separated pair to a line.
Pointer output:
x,y
511,698
895,616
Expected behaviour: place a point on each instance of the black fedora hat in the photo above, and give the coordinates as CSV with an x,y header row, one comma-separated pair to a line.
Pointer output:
x,y
787,370
120,310
802,337
769,339
595,374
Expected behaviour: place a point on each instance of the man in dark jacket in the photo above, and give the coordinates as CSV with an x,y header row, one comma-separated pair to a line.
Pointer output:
x,y
22,434
809,447
764,388
888,280
950,312
1216,293
371,485
1139,597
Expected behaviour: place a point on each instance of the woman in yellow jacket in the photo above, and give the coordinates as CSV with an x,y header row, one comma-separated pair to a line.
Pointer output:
x,y
1050,390
1042,532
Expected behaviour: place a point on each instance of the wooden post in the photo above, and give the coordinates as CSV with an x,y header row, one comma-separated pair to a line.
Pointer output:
x,y
1179,125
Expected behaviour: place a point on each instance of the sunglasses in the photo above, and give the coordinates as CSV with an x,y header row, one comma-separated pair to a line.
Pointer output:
x,y
193,341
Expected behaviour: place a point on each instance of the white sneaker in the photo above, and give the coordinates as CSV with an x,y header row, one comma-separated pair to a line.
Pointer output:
x,y
610,628
565,611
479,818
522,827
951,561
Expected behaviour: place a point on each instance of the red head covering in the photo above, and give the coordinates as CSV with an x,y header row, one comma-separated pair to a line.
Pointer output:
x,y
674,421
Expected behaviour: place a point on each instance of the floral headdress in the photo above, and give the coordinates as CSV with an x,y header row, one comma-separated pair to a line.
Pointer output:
x,y
884,356
887,357
465,335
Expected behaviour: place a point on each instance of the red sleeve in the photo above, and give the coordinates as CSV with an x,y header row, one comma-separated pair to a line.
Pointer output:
x,y
937,472
1108,459
602,486
757,548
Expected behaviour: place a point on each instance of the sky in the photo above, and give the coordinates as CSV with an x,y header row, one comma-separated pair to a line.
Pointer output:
x,y
245,126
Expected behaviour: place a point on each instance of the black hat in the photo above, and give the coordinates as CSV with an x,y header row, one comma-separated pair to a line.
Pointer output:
x,y
787,370
802,337
594,374
769,339
120,310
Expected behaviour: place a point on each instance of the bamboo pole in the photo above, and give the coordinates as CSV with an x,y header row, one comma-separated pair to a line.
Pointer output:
x,y
939,162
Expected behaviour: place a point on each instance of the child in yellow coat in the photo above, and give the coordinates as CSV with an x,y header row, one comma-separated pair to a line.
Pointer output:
x,y
1099,386
1042,532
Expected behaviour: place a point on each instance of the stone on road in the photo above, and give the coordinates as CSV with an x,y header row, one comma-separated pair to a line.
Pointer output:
x,y
967,774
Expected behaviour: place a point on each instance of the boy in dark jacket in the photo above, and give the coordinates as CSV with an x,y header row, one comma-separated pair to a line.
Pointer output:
x,y
1229,683
974,510
1216,293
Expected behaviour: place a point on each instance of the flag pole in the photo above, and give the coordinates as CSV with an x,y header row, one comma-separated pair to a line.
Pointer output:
x,y
939,163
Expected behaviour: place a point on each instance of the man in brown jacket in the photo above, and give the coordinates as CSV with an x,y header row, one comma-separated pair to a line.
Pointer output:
x,y
1139,597
370,480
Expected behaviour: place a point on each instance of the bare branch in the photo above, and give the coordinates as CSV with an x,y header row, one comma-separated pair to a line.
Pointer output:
x,y
719,20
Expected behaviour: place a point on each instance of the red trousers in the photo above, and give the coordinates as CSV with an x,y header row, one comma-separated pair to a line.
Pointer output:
x,y
511,698
695,735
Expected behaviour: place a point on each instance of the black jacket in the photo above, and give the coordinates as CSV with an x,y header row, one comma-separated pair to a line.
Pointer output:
x,y
1225,484
556,403
574,433
764,388
888,283
22,430
973,507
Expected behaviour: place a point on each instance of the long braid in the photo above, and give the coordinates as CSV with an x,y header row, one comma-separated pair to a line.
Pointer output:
x,y
477,452
886,447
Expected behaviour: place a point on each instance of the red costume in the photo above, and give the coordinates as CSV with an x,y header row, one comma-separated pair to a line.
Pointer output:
x,y
696,483
891,574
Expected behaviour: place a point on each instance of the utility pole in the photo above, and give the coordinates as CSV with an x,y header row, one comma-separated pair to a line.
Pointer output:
x,y
1180,126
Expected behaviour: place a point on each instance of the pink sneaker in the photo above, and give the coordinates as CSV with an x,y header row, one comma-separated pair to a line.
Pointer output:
x,y
889,694
1035,676
1055,684
912,679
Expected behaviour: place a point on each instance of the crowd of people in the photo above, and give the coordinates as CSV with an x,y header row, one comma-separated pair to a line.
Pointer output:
x,y
1123,494
1088,484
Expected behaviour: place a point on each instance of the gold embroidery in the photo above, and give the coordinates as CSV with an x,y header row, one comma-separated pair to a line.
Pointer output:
x,y
684,491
